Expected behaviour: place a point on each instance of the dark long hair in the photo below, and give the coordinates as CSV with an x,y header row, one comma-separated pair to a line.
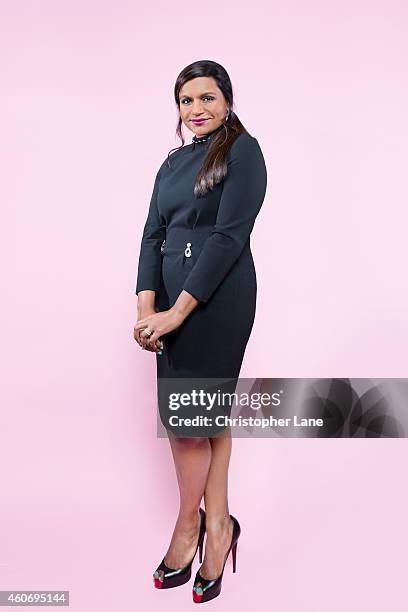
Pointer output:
x,y
214,168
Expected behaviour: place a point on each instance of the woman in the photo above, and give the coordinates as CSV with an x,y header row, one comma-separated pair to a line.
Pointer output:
x,y
196,288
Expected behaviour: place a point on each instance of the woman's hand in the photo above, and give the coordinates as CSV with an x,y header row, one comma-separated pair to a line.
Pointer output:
x,y
159,323
142,313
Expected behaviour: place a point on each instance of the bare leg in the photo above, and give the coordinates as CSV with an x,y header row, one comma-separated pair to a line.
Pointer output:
x,y
218,523
192,458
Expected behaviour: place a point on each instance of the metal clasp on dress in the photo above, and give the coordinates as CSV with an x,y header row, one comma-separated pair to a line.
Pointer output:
x,y
187,251
162,247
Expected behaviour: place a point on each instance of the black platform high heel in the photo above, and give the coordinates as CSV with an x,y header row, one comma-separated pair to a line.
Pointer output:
x,y
166,577
203,589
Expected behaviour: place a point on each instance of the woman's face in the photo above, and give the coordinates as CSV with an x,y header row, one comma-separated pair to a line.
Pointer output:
x,y
201,99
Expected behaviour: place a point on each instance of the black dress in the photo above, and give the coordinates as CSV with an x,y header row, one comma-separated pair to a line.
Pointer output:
x,y
202,245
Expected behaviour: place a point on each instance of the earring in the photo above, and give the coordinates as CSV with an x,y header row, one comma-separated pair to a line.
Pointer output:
x,y
227,116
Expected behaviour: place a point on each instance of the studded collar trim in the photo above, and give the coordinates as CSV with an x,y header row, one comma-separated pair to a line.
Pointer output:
x,y
205,137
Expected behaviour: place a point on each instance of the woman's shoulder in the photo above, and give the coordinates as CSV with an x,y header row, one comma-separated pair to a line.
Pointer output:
x,y
244,142
244,146
173,156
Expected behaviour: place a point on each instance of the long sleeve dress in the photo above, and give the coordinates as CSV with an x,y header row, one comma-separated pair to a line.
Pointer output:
x,y
202,245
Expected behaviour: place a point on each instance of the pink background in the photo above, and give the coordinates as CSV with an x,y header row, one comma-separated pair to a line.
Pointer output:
x,y
89,494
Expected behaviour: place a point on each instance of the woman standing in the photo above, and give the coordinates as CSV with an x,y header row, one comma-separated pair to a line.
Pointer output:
x,y
196,288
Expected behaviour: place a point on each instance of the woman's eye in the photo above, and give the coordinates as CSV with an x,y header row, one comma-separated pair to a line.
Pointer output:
x,y
204,98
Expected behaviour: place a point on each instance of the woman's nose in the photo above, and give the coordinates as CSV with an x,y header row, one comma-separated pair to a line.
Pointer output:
x,y
198,108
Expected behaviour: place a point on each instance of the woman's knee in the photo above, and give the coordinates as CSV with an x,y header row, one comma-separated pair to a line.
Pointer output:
x,y
190,442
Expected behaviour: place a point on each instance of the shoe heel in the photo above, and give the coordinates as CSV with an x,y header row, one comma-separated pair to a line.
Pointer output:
x,y
200,551
234,557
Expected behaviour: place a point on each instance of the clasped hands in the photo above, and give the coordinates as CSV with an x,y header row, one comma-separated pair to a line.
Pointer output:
x,y
149,329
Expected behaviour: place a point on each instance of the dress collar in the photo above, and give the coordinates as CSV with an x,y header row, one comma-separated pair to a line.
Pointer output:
x,y
205,137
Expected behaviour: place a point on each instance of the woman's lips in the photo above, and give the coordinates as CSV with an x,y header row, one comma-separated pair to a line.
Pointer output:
x,y
199,121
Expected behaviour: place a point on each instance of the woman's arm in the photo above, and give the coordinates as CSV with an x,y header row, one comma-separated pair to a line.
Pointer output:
x,y
184,304
150,259
242,197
